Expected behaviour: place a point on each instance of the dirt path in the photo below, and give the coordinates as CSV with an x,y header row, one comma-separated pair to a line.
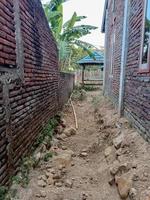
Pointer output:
x,y
103,145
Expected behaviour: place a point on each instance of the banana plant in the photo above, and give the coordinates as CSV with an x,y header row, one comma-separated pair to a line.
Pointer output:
x,y
68,34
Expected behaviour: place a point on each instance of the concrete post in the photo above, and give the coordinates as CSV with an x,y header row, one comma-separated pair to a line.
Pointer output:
x,y
123,59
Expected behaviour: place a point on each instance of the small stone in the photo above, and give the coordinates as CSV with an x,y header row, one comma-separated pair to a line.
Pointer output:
x,y
133,194
119,152
114,168
108,151
83,154
38,195
124,185
50,180
68,183
119,168
135,177
118,141
110,154
72,164
57,175
63,123
84,196
111,181
64,148
145,174
134,165
61,137
43,194
41,183
63,171
60,167
85,150
70,131
58,184
59,130
63,159
42,177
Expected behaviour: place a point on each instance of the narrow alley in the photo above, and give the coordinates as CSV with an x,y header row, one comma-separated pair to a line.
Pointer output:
x,y
105,159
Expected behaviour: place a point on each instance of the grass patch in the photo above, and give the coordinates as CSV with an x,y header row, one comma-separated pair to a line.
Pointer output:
x,y
47,132
79,94
91,88
47,156
3,192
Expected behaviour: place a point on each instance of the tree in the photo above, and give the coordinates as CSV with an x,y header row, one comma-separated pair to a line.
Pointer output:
x,y
68,34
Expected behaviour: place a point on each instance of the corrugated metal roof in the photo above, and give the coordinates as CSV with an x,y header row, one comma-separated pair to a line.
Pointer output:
x,y
99,59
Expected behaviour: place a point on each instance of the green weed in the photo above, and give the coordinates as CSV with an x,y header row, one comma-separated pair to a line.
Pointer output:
x,y
47,156
3,192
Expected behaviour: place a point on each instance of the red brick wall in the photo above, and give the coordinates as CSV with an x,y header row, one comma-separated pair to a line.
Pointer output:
x,y
29,97
7,33
114,26
137,85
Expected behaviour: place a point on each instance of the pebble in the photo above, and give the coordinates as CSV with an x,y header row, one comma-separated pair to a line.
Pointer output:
x,y
64,148
50,180
84,196
133,194
58,184
57,175
41,183
124,185
83,154
42,177
68,183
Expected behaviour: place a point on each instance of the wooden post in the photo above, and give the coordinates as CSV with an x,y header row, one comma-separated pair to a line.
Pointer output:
x,y
83,68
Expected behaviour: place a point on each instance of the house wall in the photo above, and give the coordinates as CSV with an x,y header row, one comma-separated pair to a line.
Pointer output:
x,y
113,46
29,80
137,85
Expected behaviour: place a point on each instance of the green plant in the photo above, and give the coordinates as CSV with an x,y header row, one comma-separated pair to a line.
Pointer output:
x,y
47,131
30,162
3,192
16,179
68,34
96,100
79,94
90,88
47,156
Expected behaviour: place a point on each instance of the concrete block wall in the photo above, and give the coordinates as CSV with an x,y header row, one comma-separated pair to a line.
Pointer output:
x,y
65,89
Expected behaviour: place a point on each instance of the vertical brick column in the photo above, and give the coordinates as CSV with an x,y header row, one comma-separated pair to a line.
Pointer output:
x,y
19,40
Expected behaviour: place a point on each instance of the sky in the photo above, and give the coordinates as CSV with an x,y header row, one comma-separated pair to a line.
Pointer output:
x,y
93,9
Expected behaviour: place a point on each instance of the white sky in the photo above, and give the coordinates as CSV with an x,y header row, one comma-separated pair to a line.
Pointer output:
x,y
93,9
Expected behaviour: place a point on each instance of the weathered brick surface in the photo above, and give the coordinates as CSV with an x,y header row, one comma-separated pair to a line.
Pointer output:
x,y
115,28
7,33
65,89
26,105
137,85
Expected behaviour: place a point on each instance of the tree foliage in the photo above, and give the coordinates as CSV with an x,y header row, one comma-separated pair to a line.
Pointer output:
x,y
67,34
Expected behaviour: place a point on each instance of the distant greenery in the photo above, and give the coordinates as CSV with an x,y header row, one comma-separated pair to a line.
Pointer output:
x,y
68,34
